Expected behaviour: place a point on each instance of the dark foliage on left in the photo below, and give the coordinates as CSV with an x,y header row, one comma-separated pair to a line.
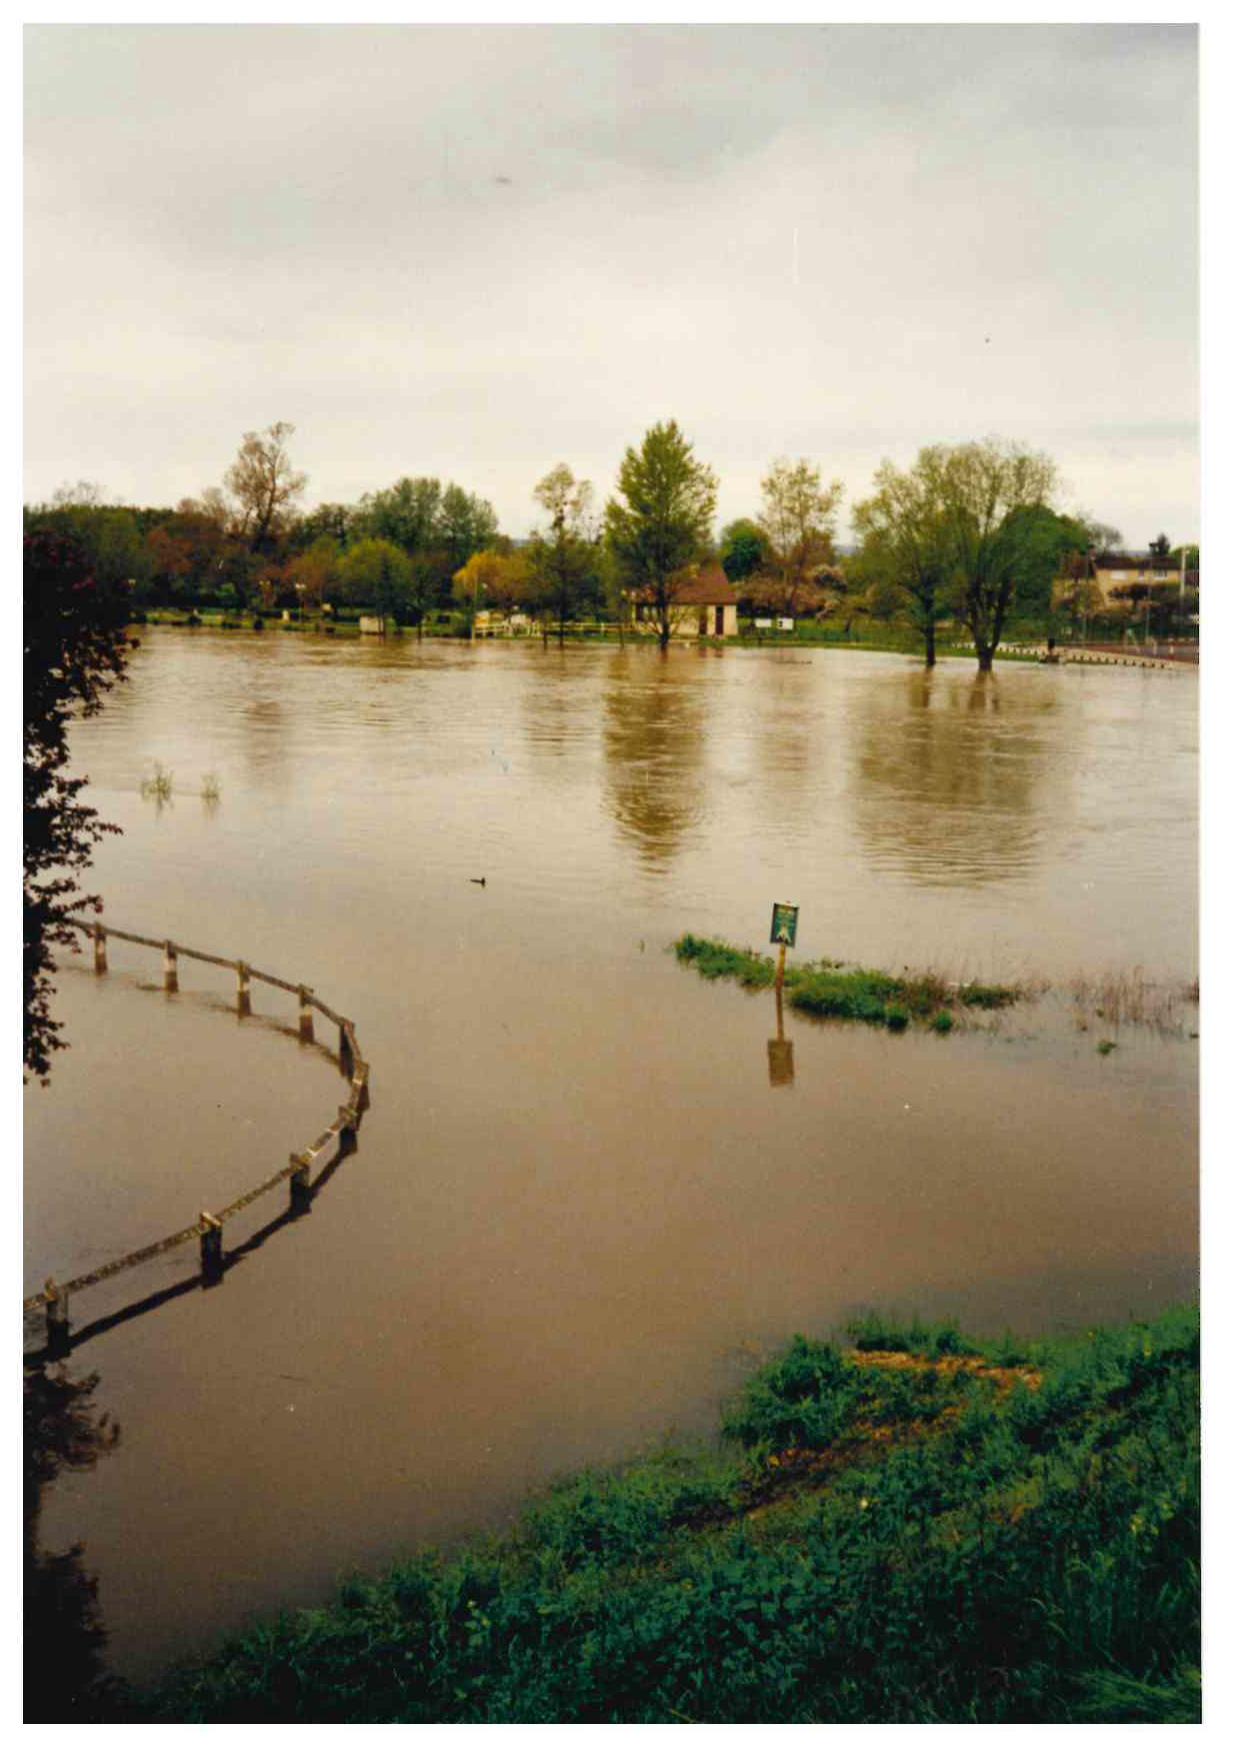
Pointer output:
x,y
63,1639
74,649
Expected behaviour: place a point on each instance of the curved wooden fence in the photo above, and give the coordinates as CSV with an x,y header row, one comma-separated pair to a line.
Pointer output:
x,y
208,1229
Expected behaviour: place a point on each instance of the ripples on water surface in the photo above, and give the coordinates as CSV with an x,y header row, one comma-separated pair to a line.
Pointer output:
x,y
580,1208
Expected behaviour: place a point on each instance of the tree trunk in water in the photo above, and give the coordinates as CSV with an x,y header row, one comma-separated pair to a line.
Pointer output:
x,y
985,658
931,657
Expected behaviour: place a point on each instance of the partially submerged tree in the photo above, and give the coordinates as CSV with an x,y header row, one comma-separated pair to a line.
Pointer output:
x,y
985,491
74,651
904,551
660,521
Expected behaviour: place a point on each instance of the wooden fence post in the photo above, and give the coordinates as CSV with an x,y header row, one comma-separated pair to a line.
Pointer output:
x,y
243,988
348,1129
58,1343
361,1080
101,950
346,1054
211,1249
170,968
305,1016
299,1197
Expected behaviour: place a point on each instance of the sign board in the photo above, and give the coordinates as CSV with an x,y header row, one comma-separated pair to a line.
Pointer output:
x,y
784,925
763,624
787,625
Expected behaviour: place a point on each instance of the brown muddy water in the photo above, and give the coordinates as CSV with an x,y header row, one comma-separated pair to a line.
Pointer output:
x,y
580,1209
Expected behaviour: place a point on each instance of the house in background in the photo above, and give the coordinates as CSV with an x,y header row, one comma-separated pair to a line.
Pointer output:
x,y
1117,572
703,605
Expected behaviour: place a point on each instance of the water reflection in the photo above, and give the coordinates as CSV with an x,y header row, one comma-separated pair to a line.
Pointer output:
x,y
65,1678
654,744
556,709
782,720
267,743
781,1067
948,776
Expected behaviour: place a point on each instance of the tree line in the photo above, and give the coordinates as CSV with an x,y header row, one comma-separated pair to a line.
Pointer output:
x,y
972,535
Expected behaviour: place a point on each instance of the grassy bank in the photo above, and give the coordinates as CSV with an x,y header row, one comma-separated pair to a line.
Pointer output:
x,y
833,990
913,1528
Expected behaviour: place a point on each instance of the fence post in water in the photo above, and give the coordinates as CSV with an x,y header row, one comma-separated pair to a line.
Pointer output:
x,y
211,1249
243,988
305,1017
58,1343
348,1129
299,1197
361,1080
101,950
346,1054
170,968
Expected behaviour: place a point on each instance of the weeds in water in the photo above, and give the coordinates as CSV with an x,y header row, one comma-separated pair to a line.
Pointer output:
x,y
1130,998
830,990
211,788
158,786
1106,1045
906,1535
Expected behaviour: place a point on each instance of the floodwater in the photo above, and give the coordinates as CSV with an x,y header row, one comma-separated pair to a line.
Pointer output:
x,y
587,1196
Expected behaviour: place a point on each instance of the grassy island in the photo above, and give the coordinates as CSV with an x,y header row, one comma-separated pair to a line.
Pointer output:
x,y
833,990
910,1528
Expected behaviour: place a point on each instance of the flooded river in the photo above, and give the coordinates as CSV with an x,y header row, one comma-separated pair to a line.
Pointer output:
x,y
580,1209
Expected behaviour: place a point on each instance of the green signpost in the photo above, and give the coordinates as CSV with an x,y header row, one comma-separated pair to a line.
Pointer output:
x,y
784,925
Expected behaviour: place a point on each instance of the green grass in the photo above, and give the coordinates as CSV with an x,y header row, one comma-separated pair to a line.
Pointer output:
x,y
831,990
904,1535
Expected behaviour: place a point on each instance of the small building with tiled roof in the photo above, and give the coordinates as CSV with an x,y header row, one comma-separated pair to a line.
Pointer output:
x,y
703,604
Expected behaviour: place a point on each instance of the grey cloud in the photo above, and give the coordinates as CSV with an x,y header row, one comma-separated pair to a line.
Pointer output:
x,y
793,238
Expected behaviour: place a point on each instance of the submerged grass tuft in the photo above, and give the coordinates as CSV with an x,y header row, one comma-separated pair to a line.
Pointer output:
x,y
832,990
158,786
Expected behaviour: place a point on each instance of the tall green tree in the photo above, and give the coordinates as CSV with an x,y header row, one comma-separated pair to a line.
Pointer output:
x,y
660,520
985,491
75,648
335,522
904,549
467,524
376,573
406,513
562,557
743,550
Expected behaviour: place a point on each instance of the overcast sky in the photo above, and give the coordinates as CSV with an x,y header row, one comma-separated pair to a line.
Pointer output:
x,y
477,251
